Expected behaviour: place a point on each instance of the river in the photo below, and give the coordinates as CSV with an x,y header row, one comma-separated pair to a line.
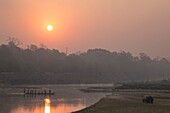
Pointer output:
x,y
67,98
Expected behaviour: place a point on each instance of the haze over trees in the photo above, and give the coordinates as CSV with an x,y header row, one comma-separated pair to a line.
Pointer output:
x,y
40,65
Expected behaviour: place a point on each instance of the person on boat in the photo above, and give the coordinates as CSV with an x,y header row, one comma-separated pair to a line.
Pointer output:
x,y
50,91
28,91
45,91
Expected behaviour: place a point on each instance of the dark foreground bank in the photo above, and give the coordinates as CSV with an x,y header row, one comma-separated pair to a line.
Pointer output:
x,y
130,103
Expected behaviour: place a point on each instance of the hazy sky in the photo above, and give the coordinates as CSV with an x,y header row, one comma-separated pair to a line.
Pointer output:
x,y
127,25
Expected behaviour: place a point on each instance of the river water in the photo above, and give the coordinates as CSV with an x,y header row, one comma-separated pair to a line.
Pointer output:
x,y
67,98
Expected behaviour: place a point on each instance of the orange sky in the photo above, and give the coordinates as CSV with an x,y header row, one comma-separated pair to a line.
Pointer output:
x,y
129,25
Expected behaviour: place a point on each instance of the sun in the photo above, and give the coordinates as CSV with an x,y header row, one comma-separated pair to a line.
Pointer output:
x,y
49,27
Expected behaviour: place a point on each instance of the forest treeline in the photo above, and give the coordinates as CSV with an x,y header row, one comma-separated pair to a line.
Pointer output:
x,y
40,65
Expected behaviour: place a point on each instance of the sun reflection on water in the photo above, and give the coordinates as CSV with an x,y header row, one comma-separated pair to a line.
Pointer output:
x,y
57,106
47,105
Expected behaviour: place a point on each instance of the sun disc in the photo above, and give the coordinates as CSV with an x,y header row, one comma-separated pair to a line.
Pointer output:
x,y
49,27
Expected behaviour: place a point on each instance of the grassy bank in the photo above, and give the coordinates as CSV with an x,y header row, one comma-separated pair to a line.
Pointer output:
x,y
130,103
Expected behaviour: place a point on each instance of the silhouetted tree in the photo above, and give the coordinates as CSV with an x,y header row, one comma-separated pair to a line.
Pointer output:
x,y
40,65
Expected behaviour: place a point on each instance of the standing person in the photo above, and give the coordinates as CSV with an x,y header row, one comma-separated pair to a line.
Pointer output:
x,y
50,91
24,90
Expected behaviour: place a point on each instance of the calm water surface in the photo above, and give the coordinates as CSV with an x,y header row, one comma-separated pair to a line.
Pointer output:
x,y
67,98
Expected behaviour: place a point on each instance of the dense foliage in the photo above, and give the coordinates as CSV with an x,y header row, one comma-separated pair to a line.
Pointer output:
x,y
148,85
40,65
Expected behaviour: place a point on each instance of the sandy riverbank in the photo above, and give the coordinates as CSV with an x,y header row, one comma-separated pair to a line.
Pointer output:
x,y
130,102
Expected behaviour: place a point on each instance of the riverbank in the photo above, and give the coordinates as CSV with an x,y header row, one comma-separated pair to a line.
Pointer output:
x,y
130,102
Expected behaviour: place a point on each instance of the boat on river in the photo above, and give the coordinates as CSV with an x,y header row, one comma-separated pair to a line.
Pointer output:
x,y
38,92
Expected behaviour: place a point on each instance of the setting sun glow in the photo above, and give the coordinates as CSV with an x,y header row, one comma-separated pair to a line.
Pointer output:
x,y
49,27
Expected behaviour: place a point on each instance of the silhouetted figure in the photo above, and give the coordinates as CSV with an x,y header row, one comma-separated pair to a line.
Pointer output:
x,y
31,91
45,91
28,91
24,90
50,91
35,91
